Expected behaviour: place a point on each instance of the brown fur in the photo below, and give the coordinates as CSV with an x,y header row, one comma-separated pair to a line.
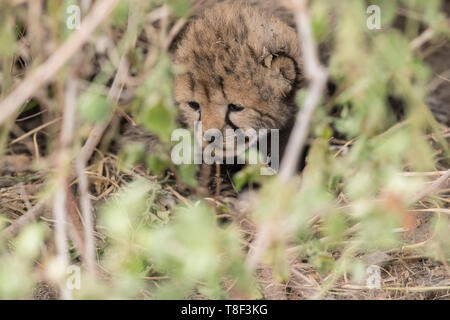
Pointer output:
x,y
241,53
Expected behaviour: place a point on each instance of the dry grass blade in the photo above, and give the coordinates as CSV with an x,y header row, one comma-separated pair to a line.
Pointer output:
x,y
33,131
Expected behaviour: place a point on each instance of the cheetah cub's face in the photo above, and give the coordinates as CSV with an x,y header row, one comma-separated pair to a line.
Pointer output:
x,y
241,68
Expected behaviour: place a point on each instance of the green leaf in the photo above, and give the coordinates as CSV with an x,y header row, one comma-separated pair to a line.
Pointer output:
x,y
158,163
131,154
180,7
94,107
188,174
159,120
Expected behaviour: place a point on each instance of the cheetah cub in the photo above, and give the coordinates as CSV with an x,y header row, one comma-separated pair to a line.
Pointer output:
x,y
242,67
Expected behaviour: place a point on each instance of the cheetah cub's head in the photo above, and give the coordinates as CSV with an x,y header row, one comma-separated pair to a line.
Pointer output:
x,y
241,70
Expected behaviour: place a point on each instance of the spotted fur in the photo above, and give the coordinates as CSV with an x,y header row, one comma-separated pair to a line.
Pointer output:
x,y
242,66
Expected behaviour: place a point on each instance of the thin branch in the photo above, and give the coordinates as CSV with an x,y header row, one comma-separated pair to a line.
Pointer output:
x,y
174,31
86,153
113,95
438,184
86,209
423,38
97,132
259,246
80,166
33,131
45,72
61,185
407,289
62,249
31,215
317,76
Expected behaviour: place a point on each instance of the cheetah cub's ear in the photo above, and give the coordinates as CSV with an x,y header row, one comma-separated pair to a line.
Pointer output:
x,y
284,69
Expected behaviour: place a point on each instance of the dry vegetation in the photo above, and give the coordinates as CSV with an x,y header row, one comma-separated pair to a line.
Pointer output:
x,y
375,189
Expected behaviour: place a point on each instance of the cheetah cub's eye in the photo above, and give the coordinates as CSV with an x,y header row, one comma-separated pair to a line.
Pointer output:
x,y
194,105
235,108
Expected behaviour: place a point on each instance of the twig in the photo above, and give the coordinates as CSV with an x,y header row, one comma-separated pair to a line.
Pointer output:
x,y
174,31
31,116
260,245
97,132
25,219
45,72
441,210
62,187
36,148
82,160
341,149
205,173
317,76
407,289
433,188
25,197
33,131
178,196
423,174
424,37
18,132
86,210
218,181
269,231
438,80
62,249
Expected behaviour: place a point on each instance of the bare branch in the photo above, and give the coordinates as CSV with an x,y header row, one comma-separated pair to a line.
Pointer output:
x,y
85,154
97,132
62,249
438,184
61,185
317,76
86,209
45,72
423,38
25,219
33,131
260,245
80,166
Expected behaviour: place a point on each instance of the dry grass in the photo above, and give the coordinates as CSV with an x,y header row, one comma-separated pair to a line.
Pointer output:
x,y
407,272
